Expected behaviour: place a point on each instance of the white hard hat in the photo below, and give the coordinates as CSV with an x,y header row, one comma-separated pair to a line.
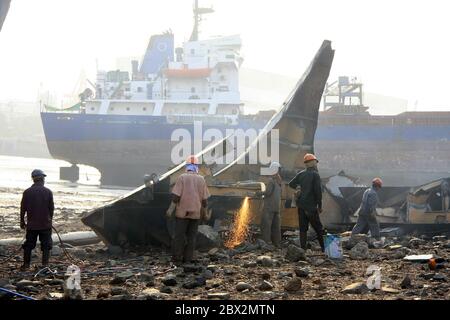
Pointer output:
x,y
274,166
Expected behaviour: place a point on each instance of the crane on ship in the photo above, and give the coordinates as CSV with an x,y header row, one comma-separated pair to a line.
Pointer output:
x,y
198,12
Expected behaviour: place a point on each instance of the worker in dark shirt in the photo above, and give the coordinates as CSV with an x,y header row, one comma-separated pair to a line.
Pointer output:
x,y
37,206
309,200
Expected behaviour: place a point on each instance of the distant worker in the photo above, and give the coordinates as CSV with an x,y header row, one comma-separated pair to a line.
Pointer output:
x,y
367,219
270,218
37,205
190,195
309,200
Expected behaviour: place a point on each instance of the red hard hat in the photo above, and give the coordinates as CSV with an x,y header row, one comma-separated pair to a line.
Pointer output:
x,y
309,157
192,160
378,182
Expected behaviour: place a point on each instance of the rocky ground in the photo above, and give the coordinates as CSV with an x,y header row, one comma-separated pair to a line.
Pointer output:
x,y
253,270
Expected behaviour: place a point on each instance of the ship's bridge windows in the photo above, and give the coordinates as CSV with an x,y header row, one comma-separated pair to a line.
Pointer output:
x,y
139,89
128,108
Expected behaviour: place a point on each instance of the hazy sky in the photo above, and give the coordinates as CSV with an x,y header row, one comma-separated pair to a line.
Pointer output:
x,y
396,47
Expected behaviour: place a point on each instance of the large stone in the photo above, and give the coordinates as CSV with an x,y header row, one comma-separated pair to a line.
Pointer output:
x,y
154,294
390,290
416,242
56,295
401,252
406,282
440,277
293,285
219,295
167,290
207,238
265,286
170,280
116,291
207,274
146,277
295,253
349,242
356,288
360,251
265,261
241,286
301,272
194,283
121,277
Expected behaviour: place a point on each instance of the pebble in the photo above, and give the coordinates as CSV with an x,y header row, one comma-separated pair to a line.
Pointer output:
x,y
265,286
218,295
169,280
293,285
301,272
241,286
356,288
294,253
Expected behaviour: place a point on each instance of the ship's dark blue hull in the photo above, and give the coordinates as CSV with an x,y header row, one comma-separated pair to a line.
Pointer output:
x,y
130,146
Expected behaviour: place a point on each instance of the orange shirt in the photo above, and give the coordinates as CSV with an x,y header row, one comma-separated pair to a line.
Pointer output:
x,y
191,188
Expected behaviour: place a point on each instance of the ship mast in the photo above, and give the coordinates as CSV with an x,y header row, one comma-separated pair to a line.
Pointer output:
x,y
198,12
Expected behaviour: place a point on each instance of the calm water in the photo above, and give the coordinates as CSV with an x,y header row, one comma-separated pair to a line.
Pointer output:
x,y
15,172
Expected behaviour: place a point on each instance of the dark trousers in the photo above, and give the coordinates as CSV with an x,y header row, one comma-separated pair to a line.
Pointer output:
x,y
306,217
183,244
271,227
45,237
365,222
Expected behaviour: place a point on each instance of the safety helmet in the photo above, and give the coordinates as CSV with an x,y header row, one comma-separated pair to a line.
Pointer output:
x,y
309,157
274,166
192,160
377,182
38,173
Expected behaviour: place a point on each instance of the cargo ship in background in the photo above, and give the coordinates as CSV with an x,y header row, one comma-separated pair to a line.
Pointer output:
x,y
123,125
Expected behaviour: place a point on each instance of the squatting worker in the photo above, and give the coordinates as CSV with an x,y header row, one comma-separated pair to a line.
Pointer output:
x,y
367,218
309,200
270,217
37,205
190,194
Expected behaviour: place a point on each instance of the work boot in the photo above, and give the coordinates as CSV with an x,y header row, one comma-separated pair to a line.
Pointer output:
x,y
26,260
321,242
45,257
303,239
